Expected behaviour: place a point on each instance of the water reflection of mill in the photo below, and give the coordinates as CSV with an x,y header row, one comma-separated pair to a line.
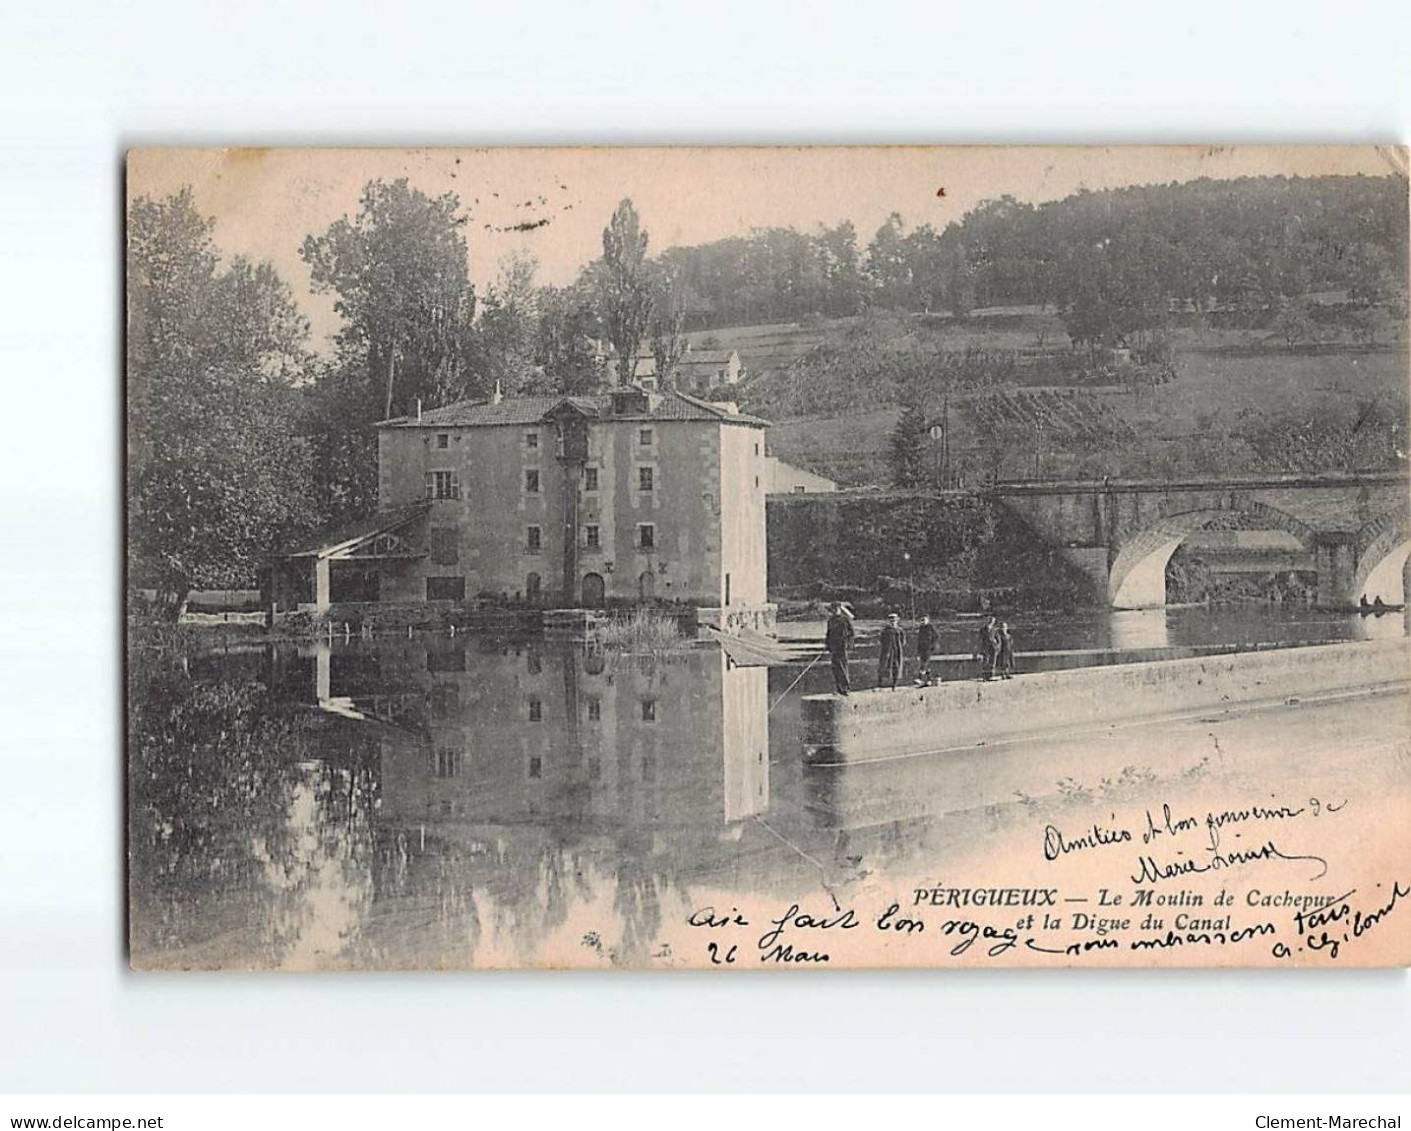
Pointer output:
x,y
516,779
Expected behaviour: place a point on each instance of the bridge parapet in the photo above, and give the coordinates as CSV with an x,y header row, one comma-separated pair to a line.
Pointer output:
x,y
1121,533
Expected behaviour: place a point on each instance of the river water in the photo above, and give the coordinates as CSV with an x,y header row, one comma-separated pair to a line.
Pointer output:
x,y
440,802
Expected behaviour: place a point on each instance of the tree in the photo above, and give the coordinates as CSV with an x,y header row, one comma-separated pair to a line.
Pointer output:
x,y
668,325
959,285
908,452
1294,320
888,266
842,269
217,474
624,287
564,341
400,269
506,331
342,447
927,266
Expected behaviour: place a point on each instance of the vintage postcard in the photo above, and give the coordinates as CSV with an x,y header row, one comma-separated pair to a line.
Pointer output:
x,y
767,558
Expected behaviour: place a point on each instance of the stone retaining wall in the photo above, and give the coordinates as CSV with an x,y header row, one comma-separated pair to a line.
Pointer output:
x,y
874,725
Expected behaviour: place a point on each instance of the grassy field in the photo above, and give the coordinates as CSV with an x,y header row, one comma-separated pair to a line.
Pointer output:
x,y
851,449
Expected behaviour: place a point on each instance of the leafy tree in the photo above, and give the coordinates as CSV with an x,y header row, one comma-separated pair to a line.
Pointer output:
x,y
1294,320
960,285
506,331
909,445
844,285
624,287
217,475
564,341
338,405
400,269
888,265
927,267
668,325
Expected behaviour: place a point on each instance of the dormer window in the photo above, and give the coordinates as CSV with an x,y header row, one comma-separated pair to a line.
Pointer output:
x,y
629,402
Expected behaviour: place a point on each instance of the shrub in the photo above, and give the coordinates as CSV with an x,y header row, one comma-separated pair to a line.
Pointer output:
x,y
643,630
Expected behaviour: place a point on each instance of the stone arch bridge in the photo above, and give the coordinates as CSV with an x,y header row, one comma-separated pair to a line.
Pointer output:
x,y
1121,533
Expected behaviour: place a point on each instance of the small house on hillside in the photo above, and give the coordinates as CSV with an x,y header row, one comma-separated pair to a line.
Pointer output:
x,y
697,372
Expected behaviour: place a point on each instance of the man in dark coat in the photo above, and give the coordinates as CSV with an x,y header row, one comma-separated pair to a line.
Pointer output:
x,y
987,648
892,645
1006,652
925,646
838,640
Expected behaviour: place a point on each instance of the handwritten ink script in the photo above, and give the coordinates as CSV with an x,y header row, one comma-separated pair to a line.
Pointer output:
x,y
1158,883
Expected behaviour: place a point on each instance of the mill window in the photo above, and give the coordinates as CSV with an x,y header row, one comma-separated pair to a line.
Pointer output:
x,y
443,485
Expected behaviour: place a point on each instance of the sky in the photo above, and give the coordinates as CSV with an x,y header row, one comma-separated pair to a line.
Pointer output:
x,y
265,201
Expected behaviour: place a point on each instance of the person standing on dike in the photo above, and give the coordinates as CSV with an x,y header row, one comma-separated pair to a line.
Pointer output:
x,y
1005,667
987,648
925,646
889,657
837,641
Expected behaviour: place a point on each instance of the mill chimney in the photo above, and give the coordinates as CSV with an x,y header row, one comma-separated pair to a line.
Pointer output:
x,y
418,410
496,397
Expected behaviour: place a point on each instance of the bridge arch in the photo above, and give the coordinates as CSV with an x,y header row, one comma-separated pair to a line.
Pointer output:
x,y
1383,547
1137,575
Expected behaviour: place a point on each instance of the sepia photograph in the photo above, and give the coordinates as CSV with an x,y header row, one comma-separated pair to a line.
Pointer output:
x,y
516,517
767,558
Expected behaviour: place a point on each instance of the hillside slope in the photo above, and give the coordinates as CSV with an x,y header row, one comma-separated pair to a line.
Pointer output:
x,y
1242,399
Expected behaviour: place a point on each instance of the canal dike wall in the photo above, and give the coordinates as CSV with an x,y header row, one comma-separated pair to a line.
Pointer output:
x,y
877,725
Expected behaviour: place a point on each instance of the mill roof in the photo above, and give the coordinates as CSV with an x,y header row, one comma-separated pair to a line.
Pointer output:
x,y
668,405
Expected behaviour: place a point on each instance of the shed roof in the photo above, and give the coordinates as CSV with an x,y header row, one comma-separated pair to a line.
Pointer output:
x,y
347,535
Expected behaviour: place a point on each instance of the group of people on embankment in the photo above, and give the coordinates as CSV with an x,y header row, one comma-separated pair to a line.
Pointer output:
x,y
994,649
